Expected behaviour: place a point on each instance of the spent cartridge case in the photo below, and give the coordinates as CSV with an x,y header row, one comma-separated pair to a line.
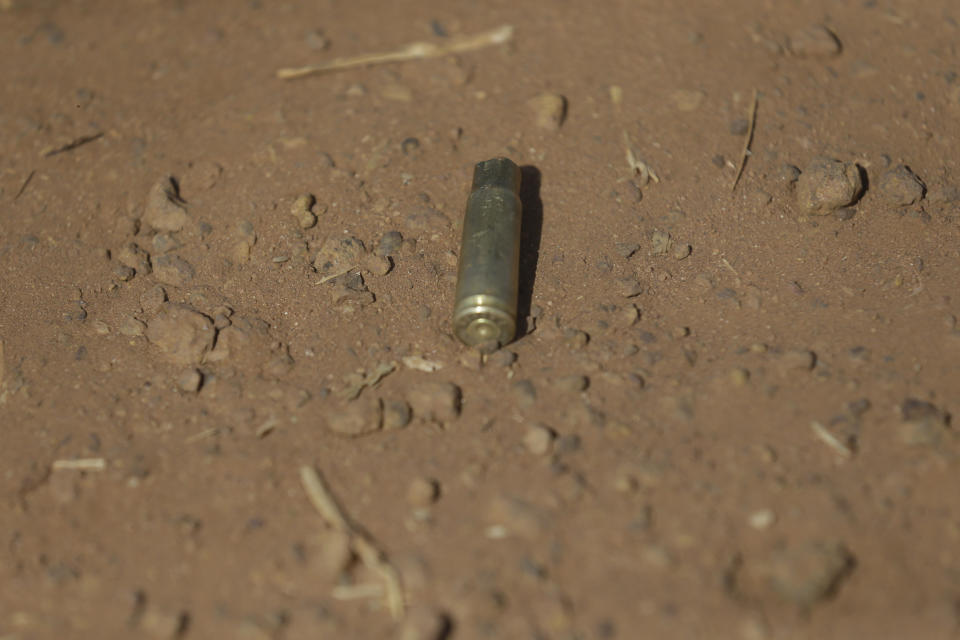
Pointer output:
x,y
486,298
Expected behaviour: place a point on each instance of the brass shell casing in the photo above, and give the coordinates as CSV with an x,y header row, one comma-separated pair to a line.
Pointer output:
x,y
487,278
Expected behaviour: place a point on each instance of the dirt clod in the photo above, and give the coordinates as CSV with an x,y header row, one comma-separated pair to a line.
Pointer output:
x,y
173,270
923,423
797,360
901,187
389,244
132,256
152,299
164,209
359,417
549,110
435,401
183,335
813,41
422,492
810,572
338,255
396,414
190,381
302,210
827,185
538,440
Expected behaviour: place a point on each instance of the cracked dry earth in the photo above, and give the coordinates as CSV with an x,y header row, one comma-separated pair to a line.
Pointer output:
x,y
231,406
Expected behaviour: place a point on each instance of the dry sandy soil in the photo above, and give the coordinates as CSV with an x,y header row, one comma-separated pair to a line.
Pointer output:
x,y
729,411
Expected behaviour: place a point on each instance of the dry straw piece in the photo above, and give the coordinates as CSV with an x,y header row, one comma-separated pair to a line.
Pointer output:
x,y
370,555
413,51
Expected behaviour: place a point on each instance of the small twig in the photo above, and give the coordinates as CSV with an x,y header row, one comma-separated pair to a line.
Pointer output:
x,y
826,437
334,276
203,435
357,591
73,144
370,555
80,464
322,500
747,141
23,187
413,51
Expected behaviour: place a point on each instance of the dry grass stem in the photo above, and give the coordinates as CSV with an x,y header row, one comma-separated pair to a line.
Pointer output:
x,y
79,464
825,436
747,141
413,51
369,553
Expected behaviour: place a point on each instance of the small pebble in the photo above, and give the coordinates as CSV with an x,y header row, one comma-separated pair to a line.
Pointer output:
x,y
190,381
739,376
628,317
124,273
152,299
811,572
422,492
163,625
549,110
131,327
502,358
515,517
409,146
302,210
813,41
923,422
688,100
338,255
682,251
316,40
396,414
575,338
627,249
539,440
397,92
182,334
131,255
570,384
173,270
360,417
435,401
164,243
164,210
797,360
762,519
377,265
827,185
389,243
629,287
901,187
660,243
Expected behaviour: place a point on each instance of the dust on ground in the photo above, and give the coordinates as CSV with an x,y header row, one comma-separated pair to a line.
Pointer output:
x,y
231,404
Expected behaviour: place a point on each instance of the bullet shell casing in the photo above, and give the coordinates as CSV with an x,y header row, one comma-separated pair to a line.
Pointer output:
x,y
487,277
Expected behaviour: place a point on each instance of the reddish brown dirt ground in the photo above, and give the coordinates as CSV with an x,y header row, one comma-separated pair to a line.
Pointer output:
x,y
739,430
